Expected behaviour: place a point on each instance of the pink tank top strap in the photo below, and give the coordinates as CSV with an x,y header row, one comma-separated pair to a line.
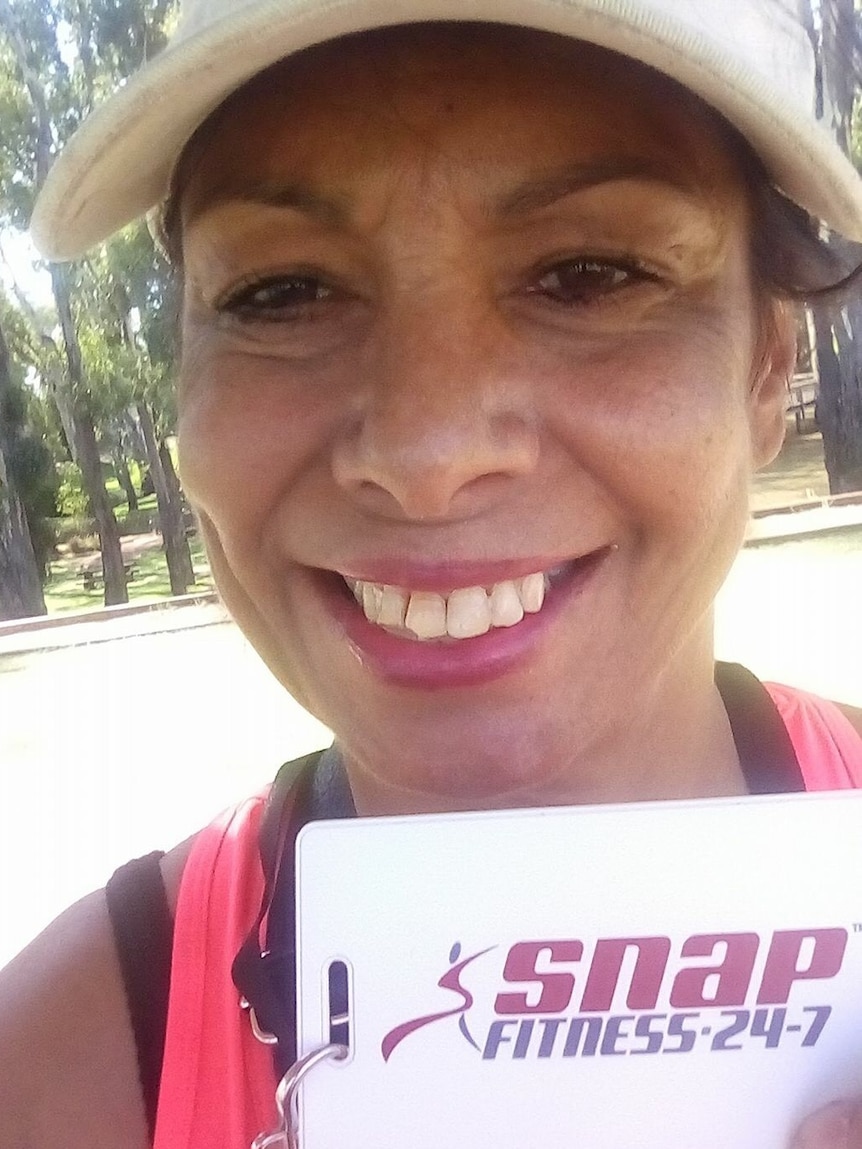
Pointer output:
x,y
829,749
218,1081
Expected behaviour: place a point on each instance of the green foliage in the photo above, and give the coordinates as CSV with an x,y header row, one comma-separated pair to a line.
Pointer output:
x,y
125,315
26,453
57,59
856,132
140,522
75,533
16,161
115,37
72,501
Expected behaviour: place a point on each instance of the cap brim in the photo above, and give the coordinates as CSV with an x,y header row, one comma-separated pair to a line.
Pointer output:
x,y
119,164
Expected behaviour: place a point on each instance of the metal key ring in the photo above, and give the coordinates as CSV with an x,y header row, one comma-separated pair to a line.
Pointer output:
x,y
285,1097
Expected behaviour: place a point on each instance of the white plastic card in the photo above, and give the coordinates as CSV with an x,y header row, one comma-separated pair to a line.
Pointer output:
x,y
675,975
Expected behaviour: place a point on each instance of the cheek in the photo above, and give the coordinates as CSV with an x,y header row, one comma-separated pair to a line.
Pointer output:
x,y
662,421
246,434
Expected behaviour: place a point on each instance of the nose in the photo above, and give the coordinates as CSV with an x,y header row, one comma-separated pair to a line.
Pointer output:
x,y
443,426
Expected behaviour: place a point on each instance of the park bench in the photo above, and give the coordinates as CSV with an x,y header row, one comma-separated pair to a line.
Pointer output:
x,y
801,393
92,575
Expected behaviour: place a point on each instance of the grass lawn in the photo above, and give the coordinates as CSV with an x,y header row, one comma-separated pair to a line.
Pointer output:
x,y
148,580
65,591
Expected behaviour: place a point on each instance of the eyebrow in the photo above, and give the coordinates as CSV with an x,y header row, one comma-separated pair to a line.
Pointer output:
x,y
548,189
294,196
530,196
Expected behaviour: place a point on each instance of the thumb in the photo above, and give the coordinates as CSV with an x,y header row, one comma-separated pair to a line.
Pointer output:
x,y
836,1126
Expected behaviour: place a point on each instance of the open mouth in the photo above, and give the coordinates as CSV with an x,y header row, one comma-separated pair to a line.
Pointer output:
x,y
432,636
463,612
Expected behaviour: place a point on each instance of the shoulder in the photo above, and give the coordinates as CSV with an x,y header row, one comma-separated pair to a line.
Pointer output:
x,y
789,698
68,1068
853,714
68,1064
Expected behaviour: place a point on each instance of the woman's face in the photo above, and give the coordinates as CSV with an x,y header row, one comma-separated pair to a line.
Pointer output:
x,y
463,307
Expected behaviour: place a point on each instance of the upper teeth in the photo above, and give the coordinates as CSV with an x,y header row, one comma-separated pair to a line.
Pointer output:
x,y
463,613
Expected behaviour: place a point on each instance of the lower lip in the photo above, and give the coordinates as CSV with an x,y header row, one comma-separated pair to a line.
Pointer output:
x,y
441,664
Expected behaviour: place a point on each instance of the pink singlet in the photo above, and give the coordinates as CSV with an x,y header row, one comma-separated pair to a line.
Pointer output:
x,y
218,1081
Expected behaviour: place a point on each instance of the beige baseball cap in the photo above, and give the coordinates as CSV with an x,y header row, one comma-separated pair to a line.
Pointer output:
x,y
751,60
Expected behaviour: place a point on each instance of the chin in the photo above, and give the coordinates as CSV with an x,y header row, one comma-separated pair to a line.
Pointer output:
x,y
502,761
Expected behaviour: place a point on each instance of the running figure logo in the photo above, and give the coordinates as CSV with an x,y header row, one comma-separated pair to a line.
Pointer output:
x,y
449,980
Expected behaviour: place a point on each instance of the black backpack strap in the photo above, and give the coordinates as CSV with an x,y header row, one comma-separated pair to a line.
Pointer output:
x,y
143,934
257,969
766,752
265,974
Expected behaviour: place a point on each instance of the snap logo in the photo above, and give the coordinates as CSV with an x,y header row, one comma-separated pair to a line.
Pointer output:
x,y
556,997
451,980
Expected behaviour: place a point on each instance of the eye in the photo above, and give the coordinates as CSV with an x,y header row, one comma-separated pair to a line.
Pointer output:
x,y
277,297
586,280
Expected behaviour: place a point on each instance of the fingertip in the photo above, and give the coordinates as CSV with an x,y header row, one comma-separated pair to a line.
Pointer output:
x,y
828,1128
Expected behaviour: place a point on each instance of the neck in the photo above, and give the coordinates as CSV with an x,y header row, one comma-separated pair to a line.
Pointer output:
x,y
677,743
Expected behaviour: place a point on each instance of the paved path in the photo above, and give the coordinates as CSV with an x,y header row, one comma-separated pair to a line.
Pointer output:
x,y
797,475
114,749
97,626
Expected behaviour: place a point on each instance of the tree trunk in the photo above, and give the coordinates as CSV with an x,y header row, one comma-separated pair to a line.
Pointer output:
x,y
176,496
90,462
132,440
20,585
170,510
839,405
87,449
57,389
839,336
124,478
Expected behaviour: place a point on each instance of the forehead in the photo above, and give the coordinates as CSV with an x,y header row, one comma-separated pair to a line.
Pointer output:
x,y
492,103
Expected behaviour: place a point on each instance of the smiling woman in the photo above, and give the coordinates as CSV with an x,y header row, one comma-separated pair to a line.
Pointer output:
x,y
532,355
485,328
